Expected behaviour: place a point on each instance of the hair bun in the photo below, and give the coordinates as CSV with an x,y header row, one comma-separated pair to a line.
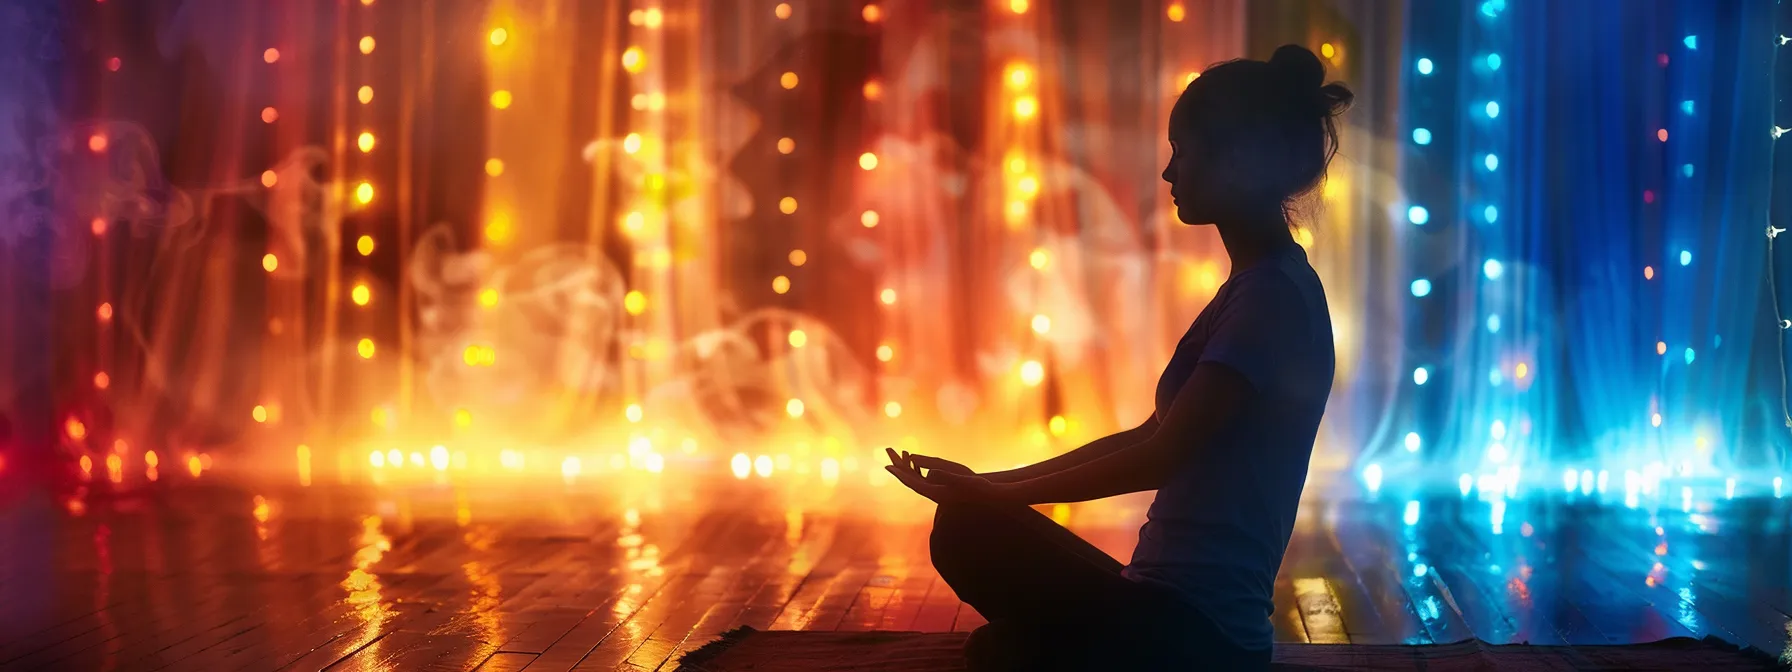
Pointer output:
x,y
1305,76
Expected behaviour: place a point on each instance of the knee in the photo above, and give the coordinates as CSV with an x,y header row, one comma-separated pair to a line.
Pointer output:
x,y
956,529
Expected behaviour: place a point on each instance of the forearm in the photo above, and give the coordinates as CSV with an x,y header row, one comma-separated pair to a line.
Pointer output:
x,y
1137,468
1089,452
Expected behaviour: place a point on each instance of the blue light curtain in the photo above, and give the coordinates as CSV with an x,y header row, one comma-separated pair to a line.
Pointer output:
x,y
1595,179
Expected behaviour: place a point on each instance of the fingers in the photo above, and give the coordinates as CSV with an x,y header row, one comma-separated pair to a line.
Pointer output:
x,y
894,459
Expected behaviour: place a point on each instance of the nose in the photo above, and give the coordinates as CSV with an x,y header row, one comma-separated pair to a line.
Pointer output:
x,y
1169,174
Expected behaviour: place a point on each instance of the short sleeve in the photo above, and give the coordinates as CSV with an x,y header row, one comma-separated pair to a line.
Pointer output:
x,y
1263,330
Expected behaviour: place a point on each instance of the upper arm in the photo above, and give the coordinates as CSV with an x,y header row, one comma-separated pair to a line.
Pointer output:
x,y
1209,400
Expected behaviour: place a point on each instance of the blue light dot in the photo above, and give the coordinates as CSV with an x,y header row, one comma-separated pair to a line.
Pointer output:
x,y
1419,570
1421,375
1493,109
1421,136
1492,162
1493,323
1685,257
1424,66
1493,61
1689,355
1421,287
1491,214
1418,215
1686,169
1493,268
1412,442
1717,340
1691,41
1686,106
1494,377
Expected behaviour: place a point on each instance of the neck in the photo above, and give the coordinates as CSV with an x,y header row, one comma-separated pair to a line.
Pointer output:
x,y
1250,239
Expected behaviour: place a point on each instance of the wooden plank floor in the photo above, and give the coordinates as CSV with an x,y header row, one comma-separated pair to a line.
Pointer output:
x,y
218,578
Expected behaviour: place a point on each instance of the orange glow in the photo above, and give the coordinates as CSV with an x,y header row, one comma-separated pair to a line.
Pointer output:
x,y
798,257
86,465
499,36
885,353
1017,6
365,348
787,205
269,178
367,44
1648,272
787,80
364,193
1326,50
101,380
1175,13
259,413
364,245
797,338
76,430
194,466
269,262
360,295
493,167
868,161
888,296
634,60
874,90
1025,107
115,468
270,55
868,218
1019,75
780,284
105,312
786,145
1661,347
872,13
501,99
150,460
99,226
97,143
364,94
364,142
782,11
1661,134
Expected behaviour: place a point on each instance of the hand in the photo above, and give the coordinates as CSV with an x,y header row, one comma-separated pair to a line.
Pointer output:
x,y
942,484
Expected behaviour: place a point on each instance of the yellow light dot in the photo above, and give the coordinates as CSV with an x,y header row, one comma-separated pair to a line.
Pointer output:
x,y
1058,425
1026,106
269,178
195,465
101,380
365,348
364,245
872,13
364,193
633,413
874,90
1031,373
780,284
885,353
634,302
364,94
270,55
1655,419
1039,258
1017,208
868,161
798,338
498,229
1175,12
488,297
634,221
893,409
787,205
269,262
501,99
377,459
1019,76
499,36
868,218
786,145
1327,50
1190,78
367,44
888,296
1041,324
1521,371
462,418
787,80
269,115
798,257
259,413
364,142
652,18
782,11
794,407
1648,272
1017,164
633,59
631,143
361,295
494,167
1028,185
1661,347
1303,236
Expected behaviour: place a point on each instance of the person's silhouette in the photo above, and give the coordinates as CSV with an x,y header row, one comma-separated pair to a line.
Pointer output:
x,y
1237,412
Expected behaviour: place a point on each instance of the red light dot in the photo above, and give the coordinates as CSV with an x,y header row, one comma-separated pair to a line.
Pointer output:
x,y
97,143
1662,59
1648,196
114,64
1661,134
99,226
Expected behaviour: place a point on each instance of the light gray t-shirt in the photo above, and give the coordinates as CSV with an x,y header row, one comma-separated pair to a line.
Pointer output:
x,y
1216,532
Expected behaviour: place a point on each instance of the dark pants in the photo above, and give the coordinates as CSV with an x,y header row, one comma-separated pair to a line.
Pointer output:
x,y
1055,602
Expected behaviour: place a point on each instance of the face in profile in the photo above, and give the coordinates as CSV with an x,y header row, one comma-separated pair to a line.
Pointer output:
x,y
1190,182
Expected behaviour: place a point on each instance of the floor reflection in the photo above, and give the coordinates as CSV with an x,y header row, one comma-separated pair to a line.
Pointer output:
x,y
216,577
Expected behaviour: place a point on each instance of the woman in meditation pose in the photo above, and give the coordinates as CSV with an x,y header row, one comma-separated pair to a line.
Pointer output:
x,y
1237,411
